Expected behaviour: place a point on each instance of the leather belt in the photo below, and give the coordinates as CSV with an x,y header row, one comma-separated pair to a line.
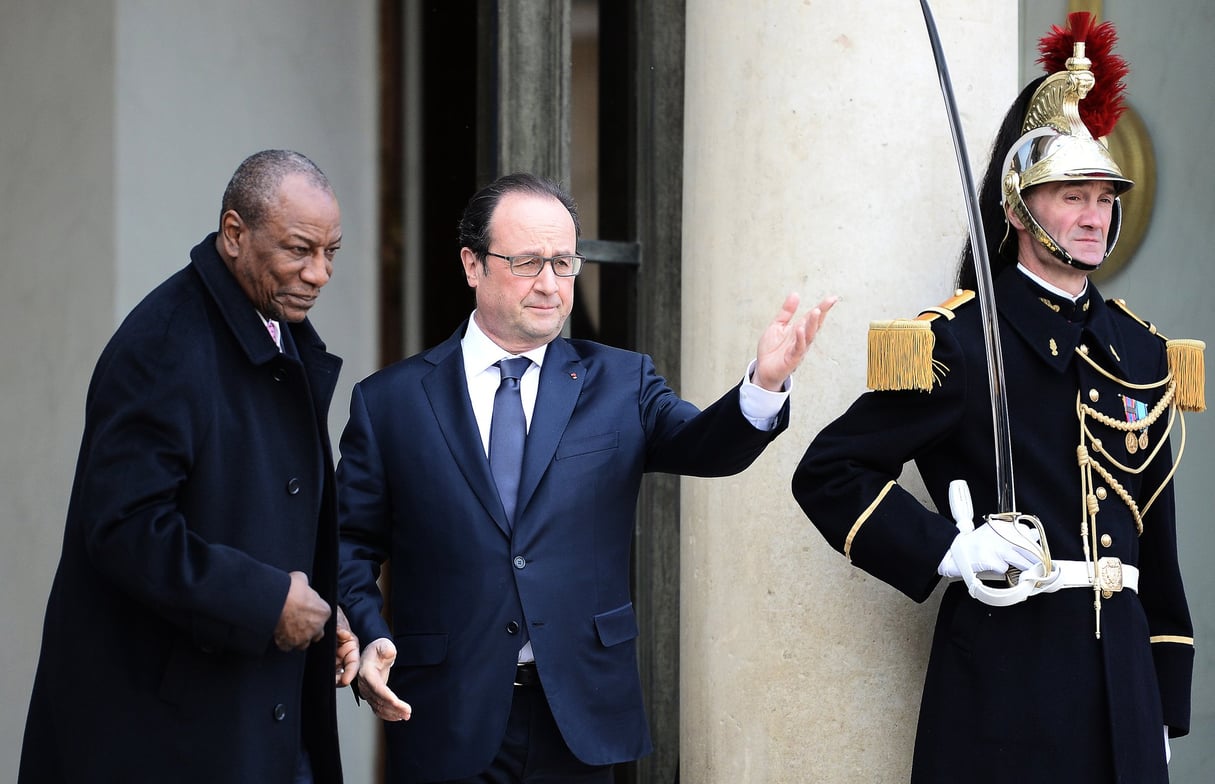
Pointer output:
x,y
526,675
1111,576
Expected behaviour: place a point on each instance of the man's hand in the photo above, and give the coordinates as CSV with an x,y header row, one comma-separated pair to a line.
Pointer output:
x,y
347,664
986,550
374,665
785,341
302,621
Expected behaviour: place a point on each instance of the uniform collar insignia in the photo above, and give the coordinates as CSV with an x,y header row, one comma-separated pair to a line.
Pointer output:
x,y
1075,312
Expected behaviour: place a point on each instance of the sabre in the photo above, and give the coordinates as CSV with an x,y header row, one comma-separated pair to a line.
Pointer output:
x,y
1005,495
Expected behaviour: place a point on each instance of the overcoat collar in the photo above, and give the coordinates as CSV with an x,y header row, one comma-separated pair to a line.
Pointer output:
x,y
560,385
246,326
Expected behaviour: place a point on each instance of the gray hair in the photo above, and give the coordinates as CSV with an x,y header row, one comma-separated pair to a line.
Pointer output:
x,y
254,185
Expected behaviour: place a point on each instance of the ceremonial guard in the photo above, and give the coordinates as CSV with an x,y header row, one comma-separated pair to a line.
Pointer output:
x,y
1063,646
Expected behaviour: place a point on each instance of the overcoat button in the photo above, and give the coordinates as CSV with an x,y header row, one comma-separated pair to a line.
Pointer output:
x,y
1094,395
519,562
293,486
512,627
280,712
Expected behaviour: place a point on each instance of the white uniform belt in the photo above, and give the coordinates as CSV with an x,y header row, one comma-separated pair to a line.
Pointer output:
x,y
1110,574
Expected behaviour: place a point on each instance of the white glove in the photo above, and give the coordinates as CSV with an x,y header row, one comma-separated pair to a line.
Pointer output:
x,y
987,550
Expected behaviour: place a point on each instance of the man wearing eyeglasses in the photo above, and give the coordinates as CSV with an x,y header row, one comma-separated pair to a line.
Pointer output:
x,y
511,638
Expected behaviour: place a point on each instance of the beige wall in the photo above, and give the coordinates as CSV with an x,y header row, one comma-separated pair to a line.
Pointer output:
x,y
818,159
56,288
122,122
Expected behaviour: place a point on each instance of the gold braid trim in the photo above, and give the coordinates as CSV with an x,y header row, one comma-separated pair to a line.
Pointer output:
x,y
1088,464
1119,381
1177,638
1175,416
1172,471
861,520
1129,427
1086,461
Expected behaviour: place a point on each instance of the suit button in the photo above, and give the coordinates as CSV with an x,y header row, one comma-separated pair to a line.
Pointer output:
x,y
280,374
280,712
293,486
512,627
519,562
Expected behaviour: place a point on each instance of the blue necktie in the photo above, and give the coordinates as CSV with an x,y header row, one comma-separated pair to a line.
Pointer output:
x,y
507,431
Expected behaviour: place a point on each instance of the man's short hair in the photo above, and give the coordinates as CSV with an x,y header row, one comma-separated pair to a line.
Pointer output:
x,y
474,224
254,186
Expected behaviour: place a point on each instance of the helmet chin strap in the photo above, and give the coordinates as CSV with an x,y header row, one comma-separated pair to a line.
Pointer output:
x,y
1059,253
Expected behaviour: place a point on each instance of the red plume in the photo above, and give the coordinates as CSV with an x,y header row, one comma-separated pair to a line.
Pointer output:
x,y
1106,102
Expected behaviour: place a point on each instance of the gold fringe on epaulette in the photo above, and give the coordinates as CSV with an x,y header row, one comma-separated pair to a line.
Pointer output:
x,y
1188,368
900,355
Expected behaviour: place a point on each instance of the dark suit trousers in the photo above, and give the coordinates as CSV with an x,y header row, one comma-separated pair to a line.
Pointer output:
x,y
533,751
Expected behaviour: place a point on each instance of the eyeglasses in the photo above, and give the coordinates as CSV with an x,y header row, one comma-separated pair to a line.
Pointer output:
x,y
530,266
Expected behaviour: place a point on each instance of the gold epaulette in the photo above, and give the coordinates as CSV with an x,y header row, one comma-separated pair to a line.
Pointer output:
x,y
900,351
1186,363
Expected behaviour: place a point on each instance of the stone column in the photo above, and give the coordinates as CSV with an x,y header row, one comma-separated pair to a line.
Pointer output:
x,y
818,160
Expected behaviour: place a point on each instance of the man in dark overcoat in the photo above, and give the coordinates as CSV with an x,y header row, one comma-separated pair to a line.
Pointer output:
x,y
1084,675
190,634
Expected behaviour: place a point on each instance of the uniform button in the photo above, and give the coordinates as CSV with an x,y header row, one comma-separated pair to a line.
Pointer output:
x,y
1101,494
1083,348
1094,395
519,562
1106,540
512,627
293,486
280,374
280,712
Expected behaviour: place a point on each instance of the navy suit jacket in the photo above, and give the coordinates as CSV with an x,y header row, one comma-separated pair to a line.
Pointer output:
x,y
415,488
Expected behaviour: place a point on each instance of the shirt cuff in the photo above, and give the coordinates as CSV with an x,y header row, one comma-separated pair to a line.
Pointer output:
x,y
759,406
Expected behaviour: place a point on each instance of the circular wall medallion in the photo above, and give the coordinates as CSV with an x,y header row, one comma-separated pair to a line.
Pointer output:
x,y
1132,150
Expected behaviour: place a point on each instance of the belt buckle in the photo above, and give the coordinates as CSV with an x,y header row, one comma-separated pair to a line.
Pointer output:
x,y
1109,576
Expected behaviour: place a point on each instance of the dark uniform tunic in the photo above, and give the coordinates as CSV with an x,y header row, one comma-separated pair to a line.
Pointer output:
x,y
1028,689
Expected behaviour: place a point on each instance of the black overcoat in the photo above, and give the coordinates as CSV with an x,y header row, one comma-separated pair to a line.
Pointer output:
x,y
204,477
1031,685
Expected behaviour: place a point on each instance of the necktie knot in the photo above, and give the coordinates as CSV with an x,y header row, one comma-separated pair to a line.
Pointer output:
x,y
513,368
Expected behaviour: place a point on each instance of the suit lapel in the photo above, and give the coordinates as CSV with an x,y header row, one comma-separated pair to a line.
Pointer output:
x,y
447,390
561,379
